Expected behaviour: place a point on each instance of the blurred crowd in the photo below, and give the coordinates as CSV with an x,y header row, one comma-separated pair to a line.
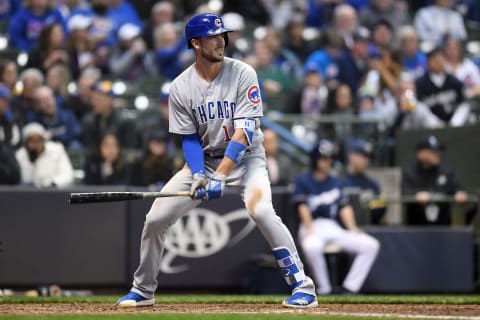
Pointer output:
x,y
367,67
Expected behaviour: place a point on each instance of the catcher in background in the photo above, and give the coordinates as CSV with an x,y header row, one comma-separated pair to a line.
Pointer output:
x,y
320,202
215,106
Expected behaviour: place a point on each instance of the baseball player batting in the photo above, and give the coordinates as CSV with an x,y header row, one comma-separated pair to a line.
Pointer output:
x,y
215,106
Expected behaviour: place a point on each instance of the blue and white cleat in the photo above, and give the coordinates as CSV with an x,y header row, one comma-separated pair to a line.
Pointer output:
x,y
301,300
133,299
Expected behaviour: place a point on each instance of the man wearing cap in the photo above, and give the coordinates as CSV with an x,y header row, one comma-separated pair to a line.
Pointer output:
x,y
426,178
356,181
43,163
321,204
352,64
129,59
104,118
442,92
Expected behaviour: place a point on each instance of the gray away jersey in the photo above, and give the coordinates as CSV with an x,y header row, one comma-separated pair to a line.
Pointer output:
x,y
209,109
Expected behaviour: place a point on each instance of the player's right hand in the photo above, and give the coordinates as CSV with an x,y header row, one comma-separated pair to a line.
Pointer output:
x,y
197,190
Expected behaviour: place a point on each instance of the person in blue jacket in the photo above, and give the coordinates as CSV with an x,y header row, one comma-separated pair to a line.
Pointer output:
x,y
25,26
60,123
106,20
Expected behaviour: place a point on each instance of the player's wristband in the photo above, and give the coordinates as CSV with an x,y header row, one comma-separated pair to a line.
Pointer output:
x,y
235,151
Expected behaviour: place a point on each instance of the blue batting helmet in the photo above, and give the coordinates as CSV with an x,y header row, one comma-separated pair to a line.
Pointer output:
x,y
323,149
205,25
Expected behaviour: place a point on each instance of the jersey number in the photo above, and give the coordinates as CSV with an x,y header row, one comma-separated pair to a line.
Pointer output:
x,y
227,135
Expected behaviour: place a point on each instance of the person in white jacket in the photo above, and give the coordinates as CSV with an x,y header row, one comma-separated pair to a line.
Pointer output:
x,y
437,21
43,163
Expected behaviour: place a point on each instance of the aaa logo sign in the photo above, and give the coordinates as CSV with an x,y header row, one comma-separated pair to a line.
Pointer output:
x,y
201,233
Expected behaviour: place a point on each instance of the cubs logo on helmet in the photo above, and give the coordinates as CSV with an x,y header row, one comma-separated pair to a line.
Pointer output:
x,y
205,25
253,94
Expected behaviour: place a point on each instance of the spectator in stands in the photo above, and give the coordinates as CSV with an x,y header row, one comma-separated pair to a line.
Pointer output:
x,y
382,36
413,59
295,40
171,53
283,58
25,26
58,79
251,10
381,81
279,11
407,112
79,102
155,166
161,12
279,167
79,46
129,59
123,12
22,103
9,169
319,13
462,67
49,49
108,165
439,20
353,64
238,47
61,124
276,83
442,92
324,59
393,11
9,127
145,8
66,7
104,118
43,163
311,97
8,8
103,28
341,104
356,181
8,73
426,178
345,23
320,203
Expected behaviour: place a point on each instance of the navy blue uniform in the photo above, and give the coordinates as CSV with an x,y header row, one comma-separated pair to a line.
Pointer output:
x,y
361,184
324,198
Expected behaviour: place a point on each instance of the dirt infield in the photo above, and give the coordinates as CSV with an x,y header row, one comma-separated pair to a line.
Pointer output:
x,y
405,310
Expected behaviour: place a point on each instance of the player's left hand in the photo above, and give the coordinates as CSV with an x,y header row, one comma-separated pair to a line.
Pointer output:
x,y
215,186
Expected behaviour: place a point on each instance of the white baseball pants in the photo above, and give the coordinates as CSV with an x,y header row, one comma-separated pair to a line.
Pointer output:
x,y
327,231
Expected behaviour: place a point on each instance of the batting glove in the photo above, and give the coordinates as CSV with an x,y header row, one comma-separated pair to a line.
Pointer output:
x,y
197,190
215,186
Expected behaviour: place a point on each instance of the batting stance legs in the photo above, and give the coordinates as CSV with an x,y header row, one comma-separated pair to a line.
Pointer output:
x,y
252,177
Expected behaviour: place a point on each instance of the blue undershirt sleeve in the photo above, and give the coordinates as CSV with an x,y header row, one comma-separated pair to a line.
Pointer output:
x,y
193,153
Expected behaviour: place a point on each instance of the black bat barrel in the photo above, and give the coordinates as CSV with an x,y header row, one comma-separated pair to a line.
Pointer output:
x,y
76,198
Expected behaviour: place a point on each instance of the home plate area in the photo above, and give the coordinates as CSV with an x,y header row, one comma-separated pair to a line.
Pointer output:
x,y
425,311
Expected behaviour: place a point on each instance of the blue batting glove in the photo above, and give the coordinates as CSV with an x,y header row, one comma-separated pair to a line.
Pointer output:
x,y
215,186
197,190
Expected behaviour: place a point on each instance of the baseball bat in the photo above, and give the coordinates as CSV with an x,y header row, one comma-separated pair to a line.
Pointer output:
x,y
93,197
